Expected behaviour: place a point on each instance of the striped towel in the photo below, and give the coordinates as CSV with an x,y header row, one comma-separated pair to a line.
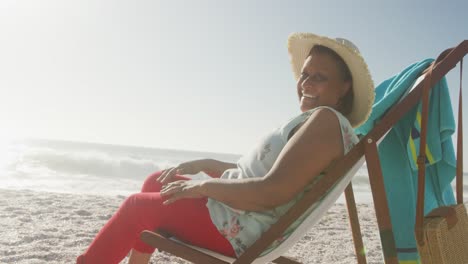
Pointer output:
x,y
399,151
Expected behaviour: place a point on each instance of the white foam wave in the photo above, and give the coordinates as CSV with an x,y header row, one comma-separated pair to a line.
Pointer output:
x,y
95,163
41,160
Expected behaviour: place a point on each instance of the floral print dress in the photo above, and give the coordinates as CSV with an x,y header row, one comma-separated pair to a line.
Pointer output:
x,y
243,228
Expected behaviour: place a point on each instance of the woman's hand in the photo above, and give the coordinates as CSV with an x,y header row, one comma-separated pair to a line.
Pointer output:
x,y
213,168
181,190
190,167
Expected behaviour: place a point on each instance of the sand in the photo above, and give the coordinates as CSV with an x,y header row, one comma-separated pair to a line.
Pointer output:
x,y
42,227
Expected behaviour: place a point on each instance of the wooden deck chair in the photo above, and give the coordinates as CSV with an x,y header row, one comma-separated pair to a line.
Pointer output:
x,y
338,179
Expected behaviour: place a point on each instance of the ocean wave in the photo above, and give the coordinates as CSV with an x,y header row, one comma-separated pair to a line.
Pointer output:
x,y
92,163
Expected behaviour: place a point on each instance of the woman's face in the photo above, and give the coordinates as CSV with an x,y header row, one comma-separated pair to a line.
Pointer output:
x,y
321,83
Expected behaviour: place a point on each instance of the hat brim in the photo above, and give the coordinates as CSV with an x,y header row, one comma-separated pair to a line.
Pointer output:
x,y
299,45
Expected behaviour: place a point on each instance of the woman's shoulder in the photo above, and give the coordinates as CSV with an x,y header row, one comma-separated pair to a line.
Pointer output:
x,y
344,122
306,114
323,118
324,109
329,114
330,117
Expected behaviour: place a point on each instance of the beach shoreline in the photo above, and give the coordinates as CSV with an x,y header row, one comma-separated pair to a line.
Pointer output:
x,y
47,227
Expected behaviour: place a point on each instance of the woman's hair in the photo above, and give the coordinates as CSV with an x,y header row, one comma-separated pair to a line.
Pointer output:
x,y
346,102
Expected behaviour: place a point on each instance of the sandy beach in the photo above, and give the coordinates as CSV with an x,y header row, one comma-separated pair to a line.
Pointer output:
x,y
43,227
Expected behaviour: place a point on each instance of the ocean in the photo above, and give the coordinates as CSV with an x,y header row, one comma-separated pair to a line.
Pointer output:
x,y
103,169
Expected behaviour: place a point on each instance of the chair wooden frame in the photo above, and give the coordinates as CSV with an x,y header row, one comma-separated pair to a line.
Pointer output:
x,y
367,147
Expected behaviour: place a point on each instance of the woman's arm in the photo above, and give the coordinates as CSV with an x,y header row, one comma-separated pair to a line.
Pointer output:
x,y
309,152
215,168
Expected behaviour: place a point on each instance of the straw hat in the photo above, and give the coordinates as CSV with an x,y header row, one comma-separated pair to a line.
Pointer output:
x,y
299,45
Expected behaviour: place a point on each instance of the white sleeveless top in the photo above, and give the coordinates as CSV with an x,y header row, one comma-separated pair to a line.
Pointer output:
x,y
242,228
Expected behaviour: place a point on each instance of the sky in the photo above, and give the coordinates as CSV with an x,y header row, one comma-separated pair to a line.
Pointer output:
x,y
203,75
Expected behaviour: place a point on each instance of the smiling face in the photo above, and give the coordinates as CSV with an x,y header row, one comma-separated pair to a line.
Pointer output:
x,y
321,83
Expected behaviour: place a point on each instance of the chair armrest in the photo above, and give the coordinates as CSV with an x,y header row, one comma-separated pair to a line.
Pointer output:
x,y
165,244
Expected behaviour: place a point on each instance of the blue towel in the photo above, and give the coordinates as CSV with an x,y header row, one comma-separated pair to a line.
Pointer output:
x,y
399,150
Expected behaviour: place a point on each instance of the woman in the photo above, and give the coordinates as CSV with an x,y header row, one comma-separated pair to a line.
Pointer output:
x,y
228,212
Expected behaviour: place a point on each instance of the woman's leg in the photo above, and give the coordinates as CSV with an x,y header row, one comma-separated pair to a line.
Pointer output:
x,y
149,185
187,219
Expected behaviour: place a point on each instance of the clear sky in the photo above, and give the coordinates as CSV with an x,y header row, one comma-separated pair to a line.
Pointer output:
x,y
194,75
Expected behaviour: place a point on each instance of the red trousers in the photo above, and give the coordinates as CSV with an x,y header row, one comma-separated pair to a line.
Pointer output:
x,y
187,219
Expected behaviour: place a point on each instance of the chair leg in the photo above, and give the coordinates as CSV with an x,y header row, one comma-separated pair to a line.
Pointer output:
x,y
380,202
285,260
355,227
